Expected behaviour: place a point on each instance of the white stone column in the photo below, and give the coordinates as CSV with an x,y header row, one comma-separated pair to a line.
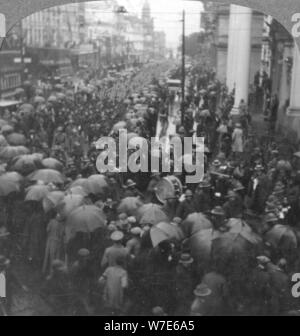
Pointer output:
x,y
232,48
241,47
294,109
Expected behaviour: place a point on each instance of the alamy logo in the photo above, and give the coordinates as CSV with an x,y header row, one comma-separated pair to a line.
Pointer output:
x,y
137,154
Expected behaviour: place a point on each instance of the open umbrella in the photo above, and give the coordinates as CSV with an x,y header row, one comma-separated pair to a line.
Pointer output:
x,y
282,237
68,204
37,192
204,113
97,184
86,218
195,222
13,176
47,176
120,125
77,190
81,182
19,91
10,152
39,100
26,107
8,186
16,139
39,92
26,164
233,253
165,231
3,142
151,214
7,129
130,206
52,99
52,163
200,244
238,226
3,122
60,95
52,199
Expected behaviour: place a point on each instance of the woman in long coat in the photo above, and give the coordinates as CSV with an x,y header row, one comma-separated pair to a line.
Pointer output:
x,y
55,243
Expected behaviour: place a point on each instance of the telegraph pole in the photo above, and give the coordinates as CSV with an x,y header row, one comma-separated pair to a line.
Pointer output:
x,y
183,68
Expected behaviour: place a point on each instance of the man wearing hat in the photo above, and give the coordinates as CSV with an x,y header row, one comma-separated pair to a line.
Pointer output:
x,y
82,275
133,245
200,305
233,207
218,218
202,197
185,282
131,190
114,251
151,188
259,189
187,206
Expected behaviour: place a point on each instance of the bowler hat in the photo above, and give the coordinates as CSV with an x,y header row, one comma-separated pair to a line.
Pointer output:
x,y
117,236
202,290
186,258
218,211
83,252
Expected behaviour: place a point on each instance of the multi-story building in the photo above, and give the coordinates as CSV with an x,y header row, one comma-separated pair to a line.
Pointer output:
x,y
148,32
12,69
159,44
222,15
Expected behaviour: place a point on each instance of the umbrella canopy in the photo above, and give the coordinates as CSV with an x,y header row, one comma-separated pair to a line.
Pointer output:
x,y
60,95
39,100
10,152
3,142
68,204
204,113
233,253
165,231
151,214
7,129
3,122
195,222
200,243
238,226
130,206
52,99
26,107
37,192
282,236
77,190
120,125
39,92
13,176
97,184
16,139
81,182
86,218
52,199
47,176
19,91
52,163
26,164
8,186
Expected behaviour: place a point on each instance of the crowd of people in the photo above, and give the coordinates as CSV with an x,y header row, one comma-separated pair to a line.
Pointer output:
x,y
107,244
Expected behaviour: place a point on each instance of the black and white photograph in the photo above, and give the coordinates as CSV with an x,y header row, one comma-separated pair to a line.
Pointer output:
x,y
149,160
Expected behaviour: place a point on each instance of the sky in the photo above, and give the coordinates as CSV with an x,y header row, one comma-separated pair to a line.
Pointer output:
x,y
167,16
